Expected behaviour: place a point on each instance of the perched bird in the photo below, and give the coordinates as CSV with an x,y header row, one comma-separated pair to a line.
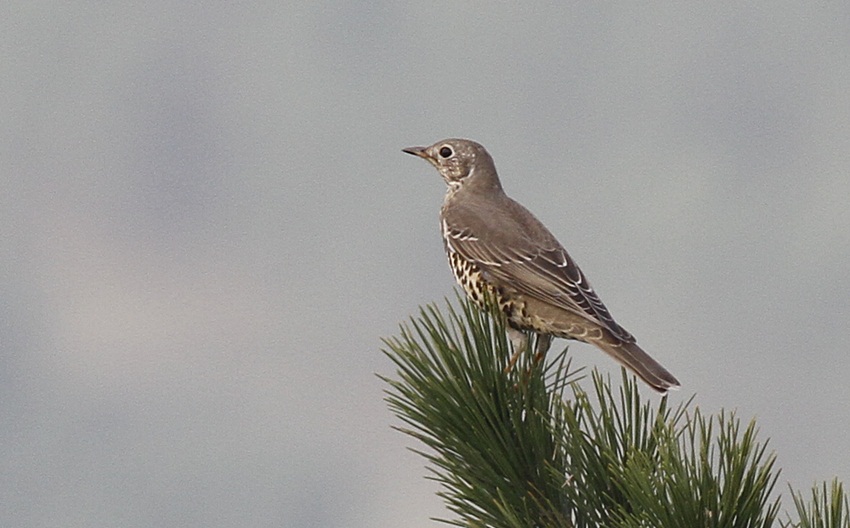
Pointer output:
x,y
497,247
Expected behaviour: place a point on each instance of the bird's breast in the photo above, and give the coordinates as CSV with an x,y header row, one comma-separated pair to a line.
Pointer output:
x,y
478,288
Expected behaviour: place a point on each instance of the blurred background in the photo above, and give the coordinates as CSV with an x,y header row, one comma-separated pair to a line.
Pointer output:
x,y
208,224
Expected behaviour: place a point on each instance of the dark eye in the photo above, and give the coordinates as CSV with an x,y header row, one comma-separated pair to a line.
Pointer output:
x,y
446,152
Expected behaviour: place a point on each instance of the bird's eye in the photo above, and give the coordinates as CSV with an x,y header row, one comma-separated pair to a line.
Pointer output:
x,y
446,152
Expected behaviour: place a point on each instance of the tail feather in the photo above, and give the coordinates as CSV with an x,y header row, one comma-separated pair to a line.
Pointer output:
x,y
634,358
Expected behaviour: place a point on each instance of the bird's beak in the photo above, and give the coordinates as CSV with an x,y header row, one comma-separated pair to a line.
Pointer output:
x,y
417,151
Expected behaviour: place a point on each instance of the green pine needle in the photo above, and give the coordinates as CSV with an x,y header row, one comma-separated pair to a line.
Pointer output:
x,y
829,507
489,433
531,448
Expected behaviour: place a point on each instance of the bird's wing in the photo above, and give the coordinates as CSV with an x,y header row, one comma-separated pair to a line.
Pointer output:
x,y
544,273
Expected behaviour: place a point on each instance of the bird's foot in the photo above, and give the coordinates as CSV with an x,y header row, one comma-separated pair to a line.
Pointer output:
x,y
519,339
513,361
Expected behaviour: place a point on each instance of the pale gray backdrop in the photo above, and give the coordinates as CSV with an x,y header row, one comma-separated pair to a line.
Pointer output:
x,y
208,224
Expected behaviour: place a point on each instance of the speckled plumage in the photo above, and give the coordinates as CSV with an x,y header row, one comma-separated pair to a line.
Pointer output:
x,y
496,245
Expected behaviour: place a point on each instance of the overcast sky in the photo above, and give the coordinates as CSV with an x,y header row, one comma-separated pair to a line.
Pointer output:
x,y
208,224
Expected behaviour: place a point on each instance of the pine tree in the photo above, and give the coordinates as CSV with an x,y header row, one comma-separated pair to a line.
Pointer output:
x,y
532,448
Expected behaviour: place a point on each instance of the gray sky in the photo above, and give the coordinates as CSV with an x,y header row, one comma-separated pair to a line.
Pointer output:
x,y
208,224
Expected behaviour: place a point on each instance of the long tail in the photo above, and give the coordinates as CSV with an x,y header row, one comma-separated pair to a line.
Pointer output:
x,y
634,358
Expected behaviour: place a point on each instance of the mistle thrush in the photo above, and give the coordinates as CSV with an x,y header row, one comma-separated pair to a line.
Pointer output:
x,y
495,245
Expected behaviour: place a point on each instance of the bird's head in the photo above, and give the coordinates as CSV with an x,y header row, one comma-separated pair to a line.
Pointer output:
x,y
460,162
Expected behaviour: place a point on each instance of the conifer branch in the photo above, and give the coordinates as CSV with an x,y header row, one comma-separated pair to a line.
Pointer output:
x,y
530,447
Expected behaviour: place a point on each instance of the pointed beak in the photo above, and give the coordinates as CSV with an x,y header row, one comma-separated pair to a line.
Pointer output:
x,y
417,151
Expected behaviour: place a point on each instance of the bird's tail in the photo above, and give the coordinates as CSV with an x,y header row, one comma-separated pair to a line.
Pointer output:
x,y
634,358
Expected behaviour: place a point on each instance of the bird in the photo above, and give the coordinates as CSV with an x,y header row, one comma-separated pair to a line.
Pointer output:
x,y
498,249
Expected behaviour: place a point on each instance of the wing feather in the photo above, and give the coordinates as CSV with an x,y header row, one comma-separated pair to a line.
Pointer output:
x,y
544,273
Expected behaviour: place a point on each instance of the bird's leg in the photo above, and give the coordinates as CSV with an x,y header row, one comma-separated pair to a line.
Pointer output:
x,y
520,342
544,341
